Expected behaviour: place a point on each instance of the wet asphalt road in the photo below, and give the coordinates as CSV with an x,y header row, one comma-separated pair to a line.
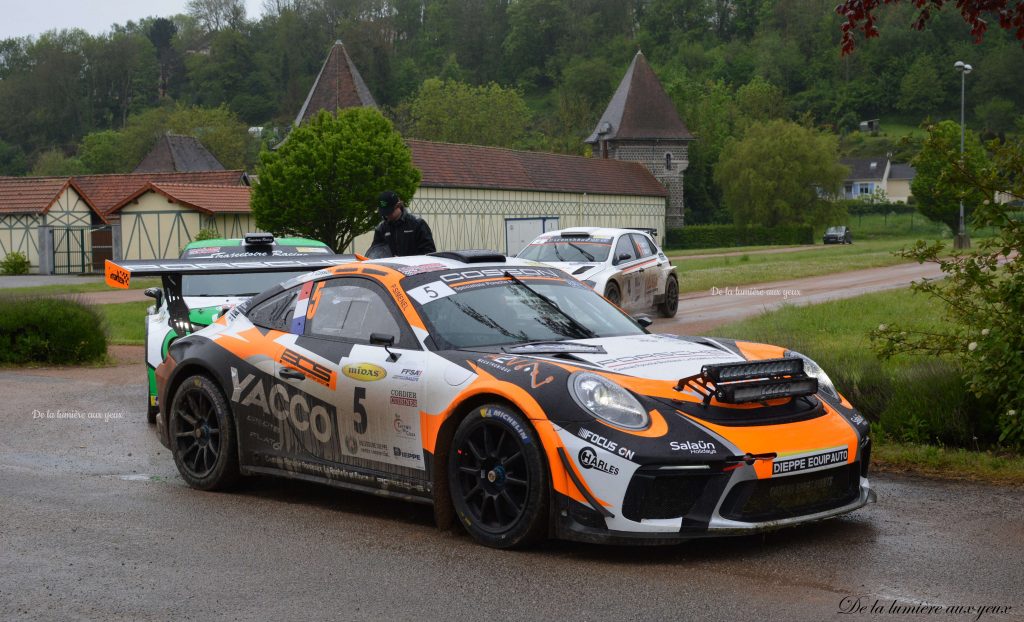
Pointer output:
x,y
95,524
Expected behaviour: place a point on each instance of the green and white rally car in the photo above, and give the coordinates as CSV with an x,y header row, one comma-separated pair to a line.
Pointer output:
x,y
208,296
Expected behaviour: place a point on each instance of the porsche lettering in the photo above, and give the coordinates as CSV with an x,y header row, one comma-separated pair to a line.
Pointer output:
x,y
488,273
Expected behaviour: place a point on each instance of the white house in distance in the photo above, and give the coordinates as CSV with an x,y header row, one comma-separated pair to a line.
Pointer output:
x,y
870,175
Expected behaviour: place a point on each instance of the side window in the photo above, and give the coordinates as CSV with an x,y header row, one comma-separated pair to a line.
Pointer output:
x,y
352,309
643,244
275,313
624,247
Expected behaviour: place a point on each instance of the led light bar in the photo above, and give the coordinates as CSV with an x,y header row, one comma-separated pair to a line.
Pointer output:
x,y
754,370
765,390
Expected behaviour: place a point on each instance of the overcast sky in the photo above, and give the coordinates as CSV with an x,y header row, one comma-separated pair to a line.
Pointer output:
x,y
19,18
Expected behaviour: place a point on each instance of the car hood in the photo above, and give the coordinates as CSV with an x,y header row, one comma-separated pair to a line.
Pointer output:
x,y
657,357
579,270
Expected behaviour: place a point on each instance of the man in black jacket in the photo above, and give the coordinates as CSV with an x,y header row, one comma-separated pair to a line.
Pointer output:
x,y
404,233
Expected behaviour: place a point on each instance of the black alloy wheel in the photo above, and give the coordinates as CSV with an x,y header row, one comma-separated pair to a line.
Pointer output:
x,y
202,435
670,305
498,479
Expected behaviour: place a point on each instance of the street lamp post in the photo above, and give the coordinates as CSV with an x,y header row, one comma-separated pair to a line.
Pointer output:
x,y
962,240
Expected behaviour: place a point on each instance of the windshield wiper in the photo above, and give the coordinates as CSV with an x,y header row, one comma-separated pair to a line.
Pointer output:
x,y
587,333
585,253
486,321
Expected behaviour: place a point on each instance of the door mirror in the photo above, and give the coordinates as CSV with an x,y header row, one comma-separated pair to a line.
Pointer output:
x,y
623,257
156,294
643,320
380,339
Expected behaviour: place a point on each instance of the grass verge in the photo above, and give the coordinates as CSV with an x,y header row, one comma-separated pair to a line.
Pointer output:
x,y
949,463
75,288
696,275
125,322
921,412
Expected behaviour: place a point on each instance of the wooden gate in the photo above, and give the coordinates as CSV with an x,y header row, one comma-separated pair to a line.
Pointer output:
x,y
71,250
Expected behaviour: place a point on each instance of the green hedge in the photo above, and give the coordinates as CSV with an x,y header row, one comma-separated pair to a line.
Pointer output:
x,y
716,236
49,330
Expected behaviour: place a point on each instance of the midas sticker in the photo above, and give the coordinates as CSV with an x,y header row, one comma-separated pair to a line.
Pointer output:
x,y
116,276
367,372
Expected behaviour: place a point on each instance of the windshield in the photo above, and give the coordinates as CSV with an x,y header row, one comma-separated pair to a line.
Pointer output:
x,y
238,284
570,250
506,312
834,230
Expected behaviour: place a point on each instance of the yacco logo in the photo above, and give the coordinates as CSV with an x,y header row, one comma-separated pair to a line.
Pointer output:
x,y
305,412
588,459
497,272
367,372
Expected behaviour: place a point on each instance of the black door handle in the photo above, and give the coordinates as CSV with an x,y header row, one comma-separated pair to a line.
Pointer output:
x,y
284,372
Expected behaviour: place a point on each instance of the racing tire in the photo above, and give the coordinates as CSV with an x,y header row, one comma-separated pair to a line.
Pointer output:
x,y
613,294
670,305
498,478
202,435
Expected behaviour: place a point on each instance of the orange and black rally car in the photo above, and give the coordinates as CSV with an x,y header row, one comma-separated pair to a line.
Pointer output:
x,y
512,397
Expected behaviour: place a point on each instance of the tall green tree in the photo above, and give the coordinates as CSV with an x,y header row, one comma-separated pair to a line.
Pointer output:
x,y
938,185
779,173
322,182
457,112
921,91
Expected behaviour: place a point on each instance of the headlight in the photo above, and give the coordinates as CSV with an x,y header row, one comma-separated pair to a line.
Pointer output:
x,y
814,370
608,401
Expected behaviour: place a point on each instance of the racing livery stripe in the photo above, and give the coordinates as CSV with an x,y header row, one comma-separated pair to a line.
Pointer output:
x,y
638,266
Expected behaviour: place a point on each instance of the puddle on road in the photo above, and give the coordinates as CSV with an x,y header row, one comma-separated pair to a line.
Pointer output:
x,y
142,477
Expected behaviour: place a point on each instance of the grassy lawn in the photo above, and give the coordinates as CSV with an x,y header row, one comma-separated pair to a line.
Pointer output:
x,y
76,288
920,411
702,274
125,322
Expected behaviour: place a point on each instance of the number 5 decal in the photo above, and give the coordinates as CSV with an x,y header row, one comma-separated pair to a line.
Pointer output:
x,y
359,409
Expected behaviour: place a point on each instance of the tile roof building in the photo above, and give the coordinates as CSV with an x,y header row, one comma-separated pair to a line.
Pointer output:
x,y
179,154
337,86
641,124
70,224
870,177
487,197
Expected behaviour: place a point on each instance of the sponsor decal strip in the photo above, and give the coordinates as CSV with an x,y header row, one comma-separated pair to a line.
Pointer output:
x,y
811,462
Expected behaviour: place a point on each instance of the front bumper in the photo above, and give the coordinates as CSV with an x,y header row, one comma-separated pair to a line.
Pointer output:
x,y
736,505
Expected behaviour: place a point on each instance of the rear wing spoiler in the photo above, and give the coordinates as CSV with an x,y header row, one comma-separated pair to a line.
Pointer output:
x,y
119,275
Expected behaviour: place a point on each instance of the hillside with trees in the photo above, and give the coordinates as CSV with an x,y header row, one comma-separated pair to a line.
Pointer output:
x,y
530,74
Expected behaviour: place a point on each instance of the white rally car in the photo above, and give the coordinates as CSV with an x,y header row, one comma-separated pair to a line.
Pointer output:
x,y
623,264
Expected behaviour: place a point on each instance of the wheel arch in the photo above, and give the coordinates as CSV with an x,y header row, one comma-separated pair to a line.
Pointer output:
x,y
184,370
444,510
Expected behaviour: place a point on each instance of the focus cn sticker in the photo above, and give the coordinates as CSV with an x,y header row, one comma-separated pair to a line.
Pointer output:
x,y
810,462
367,372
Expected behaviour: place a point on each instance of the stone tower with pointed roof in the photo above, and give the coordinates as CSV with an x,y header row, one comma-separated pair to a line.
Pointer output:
x,y
641,125
337,86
